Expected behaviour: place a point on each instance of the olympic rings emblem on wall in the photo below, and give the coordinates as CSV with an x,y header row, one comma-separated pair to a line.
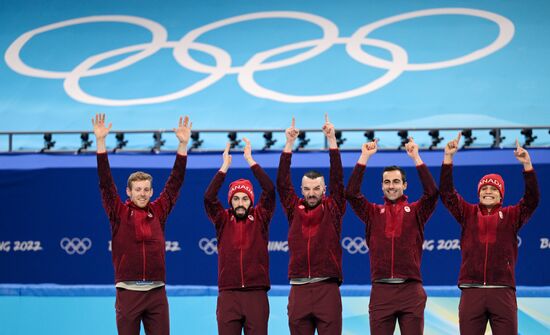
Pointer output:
x,y
209,246
259,62
355,245
75,245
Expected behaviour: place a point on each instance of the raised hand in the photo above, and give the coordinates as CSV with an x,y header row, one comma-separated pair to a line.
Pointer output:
x,y
291,136
452,147
411,147
100,131
367,150
292,132
328,129
183,131
226,158
523,156
412,150
248,152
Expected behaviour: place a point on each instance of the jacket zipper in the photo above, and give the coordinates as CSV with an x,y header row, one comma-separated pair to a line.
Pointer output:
x,y
486,253
392,243
486,250
144,263
242,271
308,257
392,251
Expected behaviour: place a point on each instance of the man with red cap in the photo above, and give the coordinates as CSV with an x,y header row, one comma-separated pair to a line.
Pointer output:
x,y
394,233
243,235
137,228
489,245
315,227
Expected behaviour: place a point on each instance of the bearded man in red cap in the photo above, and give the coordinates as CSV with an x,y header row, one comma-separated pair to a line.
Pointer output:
x,y
243,235
489,245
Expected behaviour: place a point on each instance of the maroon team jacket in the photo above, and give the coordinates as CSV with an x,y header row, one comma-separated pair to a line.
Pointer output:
x,y
394,231
138,246
314,234
243,260
488,241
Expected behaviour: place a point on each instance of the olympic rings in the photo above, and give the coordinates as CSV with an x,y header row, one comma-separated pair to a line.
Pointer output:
x,y
246,79
506,32
73,89
14,60
258,62
75,245
330,32
209,246
355,245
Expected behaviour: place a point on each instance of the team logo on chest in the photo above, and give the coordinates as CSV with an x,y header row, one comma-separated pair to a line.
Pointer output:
x,y
407,209
500,215
250,217
301,207
382,210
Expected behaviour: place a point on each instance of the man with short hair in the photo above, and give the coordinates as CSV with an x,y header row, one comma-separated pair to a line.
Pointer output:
x,y
137,229
315,226
243,261
394,233
489,245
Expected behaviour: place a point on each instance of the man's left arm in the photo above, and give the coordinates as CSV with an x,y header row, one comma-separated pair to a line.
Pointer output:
x,y
169,195
531,195
266,204
336,178
428,201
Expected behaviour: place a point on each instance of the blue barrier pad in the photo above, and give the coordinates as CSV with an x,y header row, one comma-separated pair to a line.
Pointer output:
x,y
55,290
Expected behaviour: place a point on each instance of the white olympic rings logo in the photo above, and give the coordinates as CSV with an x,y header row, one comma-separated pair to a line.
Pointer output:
x,y
209,246
355,245
258,62
75,245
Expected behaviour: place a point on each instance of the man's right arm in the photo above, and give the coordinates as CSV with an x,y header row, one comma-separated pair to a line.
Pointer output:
x,y
359,204
356,199
449,196
109,195
284,183
212,205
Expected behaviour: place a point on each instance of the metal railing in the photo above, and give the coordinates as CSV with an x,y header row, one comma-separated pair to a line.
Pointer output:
x,y
525,134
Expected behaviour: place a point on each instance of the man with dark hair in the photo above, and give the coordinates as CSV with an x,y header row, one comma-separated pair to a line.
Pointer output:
x,y
243,235
313,174
315,226
137,228
489,245
394,234
396,168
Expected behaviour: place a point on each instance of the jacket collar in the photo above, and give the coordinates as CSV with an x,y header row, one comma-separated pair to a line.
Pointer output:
x,y
400,200
130,204
484,210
